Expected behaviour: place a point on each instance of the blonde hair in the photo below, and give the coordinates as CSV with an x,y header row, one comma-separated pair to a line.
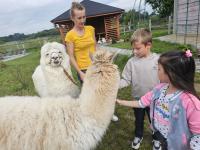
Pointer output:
x,y
142,35
76,5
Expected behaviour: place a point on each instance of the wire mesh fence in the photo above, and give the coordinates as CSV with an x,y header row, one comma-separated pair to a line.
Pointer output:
x,y
186,21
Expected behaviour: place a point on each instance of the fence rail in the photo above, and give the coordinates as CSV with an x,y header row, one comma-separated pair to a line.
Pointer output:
x,y
13,47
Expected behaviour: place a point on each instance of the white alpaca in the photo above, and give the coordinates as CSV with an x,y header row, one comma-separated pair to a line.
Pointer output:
x,y
33,123
49,78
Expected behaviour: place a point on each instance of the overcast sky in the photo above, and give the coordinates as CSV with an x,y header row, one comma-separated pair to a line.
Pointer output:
x,y
30,16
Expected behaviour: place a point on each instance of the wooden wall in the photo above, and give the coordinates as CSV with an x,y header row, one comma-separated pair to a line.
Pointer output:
x,y
112,27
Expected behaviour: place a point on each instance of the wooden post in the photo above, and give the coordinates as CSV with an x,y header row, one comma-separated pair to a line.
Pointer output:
x,y
150,24
175,17
105,28
118,29
169,25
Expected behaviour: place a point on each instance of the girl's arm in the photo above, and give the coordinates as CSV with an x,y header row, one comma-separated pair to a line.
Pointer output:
x,y
142,103
192,107
132,103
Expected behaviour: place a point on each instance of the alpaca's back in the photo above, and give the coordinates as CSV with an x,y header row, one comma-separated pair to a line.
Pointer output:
x,y
31,123
19,117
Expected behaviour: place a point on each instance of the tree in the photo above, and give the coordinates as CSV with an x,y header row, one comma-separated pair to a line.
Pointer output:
x,y
132,16
22,36
163,7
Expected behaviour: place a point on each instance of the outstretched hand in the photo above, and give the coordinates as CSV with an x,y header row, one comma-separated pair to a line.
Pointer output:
x,y
131,103
82,75
118,101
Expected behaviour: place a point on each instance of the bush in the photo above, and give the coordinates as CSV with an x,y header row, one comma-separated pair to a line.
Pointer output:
x,y
114,41
2,65
127,36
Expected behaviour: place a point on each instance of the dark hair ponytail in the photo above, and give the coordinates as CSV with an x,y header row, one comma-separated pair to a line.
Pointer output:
x,y
180,69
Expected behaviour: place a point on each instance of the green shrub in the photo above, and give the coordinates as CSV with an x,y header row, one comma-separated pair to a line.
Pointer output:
x,y
2,65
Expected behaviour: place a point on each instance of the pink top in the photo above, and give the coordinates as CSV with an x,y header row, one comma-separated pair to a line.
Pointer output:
x,y
190,103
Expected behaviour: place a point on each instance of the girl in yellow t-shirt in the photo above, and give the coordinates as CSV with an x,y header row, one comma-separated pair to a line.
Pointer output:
x,y
80,40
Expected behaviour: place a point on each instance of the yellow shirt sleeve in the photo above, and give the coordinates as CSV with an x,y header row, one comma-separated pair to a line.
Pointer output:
x,y
91,28
69,38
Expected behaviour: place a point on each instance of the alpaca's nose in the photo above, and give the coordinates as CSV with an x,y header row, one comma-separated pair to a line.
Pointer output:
x,y
55,57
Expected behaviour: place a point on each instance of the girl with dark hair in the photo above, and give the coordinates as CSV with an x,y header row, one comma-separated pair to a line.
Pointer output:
x,y
174,103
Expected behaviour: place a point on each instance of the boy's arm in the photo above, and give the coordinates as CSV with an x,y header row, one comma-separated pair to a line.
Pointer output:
x,y
126,76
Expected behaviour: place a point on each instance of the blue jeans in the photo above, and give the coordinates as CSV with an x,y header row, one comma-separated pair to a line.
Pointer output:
x,y
139,120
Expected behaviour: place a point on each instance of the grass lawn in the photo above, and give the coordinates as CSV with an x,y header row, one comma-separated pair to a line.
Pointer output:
x,y
158,46
15,79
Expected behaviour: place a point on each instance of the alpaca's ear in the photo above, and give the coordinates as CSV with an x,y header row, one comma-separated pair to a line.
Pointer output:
x,y
113,56
104,56
44,48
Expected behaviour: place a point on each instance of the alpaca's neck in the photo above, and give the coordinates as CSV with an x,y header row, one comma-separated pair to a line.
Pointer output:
x,y
98,100
55,70
51,69
56,75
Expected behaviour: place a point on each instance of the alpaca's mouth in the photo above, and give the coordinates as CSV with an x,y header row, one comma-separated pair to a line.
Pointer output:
x,y
55,63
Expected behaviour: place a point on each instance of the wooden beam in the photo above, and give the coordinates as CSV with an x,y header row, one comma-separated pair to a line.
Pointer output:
x,y
106,34
118,27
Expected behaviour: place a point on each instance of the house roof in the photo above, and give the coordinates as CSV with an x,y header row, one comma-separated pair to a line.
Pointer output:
x,y
92,9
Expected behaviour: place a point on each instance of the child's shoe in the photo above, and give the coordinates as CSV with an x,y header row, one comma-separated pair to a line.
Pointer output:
x,y
156,145
115,118
136,142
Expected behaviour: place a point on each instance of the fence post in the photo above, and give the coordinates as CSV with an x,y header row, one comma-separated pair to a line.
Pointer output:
x,y
169,25
150,24
17,45
124,28
175,17
23,46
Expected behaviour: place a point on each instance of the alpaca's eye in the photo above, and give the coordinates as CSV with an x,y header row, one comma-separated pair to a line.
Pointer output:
x,y
59,52
47,54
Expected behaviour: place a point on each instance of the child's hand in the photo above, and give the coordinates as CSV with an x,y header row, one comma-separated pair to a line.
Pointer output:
x,y
132,103
118,101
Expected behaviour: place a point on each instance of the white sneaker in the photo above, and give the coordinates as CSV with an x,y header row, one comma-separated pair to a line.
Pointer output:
x,y
115,118
136,142
156,145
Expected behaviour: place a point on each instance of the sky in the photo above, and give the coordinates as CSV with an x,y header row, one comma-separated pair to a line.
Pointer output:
x,y
31,16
